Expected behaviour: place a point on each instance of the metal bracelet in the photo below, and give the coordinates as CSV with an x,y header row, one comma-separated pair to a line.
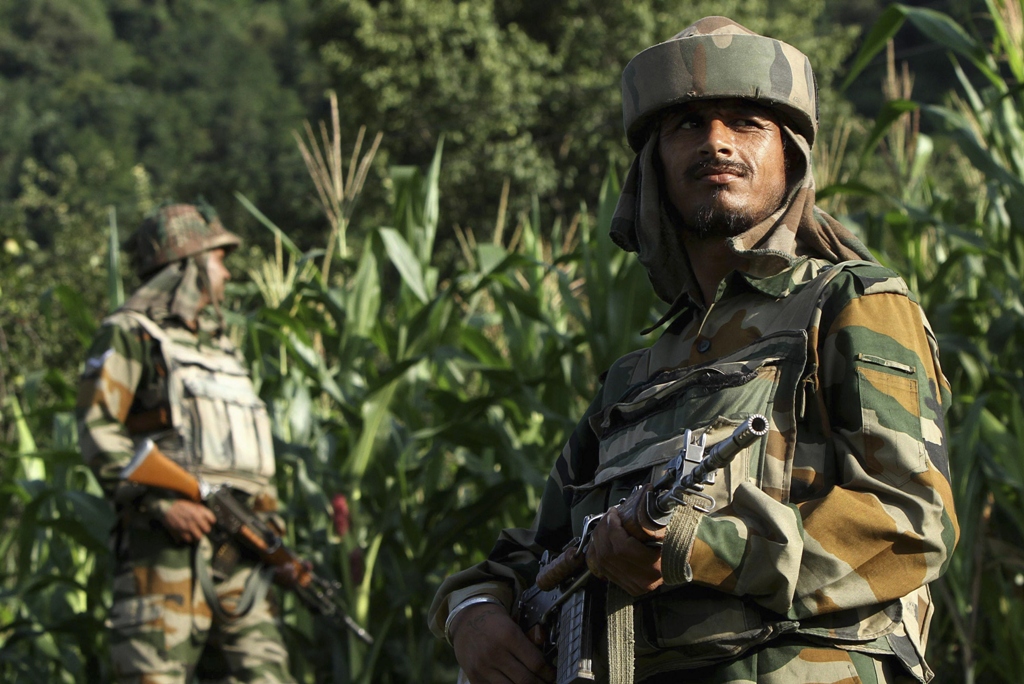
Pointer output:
x,y
466,603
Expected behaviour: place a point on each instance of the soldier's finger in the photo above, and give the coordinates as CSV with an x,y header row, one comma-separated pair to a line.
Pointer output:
x,y
635,573
533,659
519,659
518,672
594,560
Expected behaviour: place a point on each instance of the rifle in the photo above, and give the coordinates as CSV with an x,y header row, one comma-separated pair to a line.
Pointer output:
x,y
242,525
557,610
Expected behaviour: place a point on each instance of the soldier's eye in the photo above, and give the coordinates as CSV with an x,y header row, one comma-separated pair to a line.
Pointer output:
x,y
748,122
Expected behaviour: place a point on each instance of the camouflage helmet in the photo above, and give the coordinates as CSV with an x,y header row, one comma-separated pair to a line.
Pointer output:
x,y
717,58
176,231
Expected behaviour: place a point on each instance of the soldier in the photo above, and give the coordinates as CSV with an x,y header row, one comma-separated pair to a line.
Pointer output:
x,y
161,374
814,563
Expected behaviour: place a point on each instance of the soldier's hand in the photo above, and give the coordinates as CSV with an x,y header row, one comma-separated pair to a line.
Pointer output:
x,y
618,557
188,521
492,649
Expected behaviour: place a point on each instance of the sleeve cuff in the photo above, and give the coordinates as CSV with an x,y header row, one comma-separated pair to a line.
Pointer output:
x,y
501,592
498,590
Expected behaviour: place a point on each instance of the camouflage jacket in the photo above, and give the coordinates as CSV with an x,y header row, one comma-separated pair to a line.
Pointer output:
x,y
125,404
830,528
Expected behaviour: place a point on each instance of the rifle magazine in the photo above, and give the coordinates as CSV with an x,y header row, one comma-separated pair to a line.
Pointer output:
x,y
576,639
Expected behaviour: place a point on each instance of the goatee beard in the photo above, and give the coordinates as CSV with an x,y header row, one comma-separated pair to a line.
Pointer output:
x,y
712,220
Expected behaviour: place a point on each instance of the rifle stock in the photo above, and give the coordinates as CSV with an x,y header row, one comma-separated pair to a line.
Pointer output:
x,y
152,468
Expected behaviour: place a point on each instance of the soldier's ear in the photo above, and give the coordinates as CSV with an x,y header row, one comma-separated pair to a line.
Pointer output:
x,y
792,156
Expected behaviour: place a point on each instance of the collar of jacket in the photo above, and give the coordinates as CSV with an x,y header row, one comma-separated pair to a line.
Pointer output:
x,y
789,280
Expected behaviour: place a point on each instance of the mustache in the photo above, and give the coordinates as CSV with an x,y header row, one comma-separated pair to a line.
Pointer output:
x,y
708,166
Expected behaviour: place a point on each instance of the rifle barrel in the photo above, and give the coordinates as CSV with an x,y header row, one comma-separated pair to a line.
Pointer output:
x,y
719,456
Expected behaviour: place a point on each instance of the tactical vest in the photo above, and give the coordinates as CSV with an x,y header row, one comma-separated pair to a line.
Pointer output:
x,y
219,427
649,403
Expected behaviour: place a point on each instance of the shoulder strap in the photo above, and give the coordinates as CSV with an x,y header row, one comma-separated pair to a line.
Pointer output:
x,y
820,284
818,292
144,322
254,591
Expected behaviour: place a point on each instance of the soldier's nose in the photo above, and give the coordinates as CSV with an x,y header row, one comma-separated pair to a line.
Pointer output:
x,y
718,140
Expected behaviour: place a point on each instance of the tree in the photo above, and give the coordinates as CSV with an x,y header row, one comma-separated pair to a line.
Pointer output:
x,y
525,90
119,103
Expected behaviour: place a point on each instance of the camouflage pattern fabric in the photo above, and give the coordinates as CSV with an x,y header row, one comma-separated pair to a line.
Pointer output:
x,y
160,622
826,534
787,663
122,374
173,232
717,58
124,382
221,428
827,530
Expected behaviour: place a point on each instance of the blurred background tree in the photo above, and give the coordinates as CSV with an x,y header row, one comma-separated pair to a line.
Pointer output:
x,y
124,103
431,375
526,90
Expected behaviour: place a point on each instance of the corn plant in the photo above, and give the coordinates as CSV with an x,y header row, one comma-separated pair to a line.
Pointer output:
x,y
963,251
418,404
54,565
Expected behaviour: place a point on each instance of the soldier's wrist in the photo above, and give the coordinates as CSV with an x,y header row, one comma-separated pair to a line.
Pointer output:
x,y
462,606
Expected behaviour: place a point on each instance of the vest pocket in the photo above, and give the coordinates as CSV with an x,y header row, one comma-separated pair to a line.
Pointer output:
x,y
230,429
647,426
706,626
650,429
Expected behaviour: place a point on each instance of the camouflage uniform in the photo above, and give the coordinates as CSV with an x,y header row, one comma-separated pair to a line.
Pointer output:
x,y
162,376
814,564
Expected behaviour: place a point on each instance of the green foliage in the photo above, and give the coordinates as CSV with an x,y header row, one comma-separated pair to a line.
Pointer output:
x,y
963,252
431,404
39,268
123,103
118,103
54,567
526,91
430,381
433,410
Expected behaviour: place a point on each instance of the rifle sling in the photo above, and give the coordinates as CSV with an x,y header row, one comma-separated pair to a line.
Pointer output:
x,y
256,585
620,635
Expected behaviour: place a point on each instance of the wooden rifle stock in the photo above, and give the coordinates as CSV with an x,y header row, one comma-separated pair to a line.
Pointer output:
x,y
635,520
153,469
